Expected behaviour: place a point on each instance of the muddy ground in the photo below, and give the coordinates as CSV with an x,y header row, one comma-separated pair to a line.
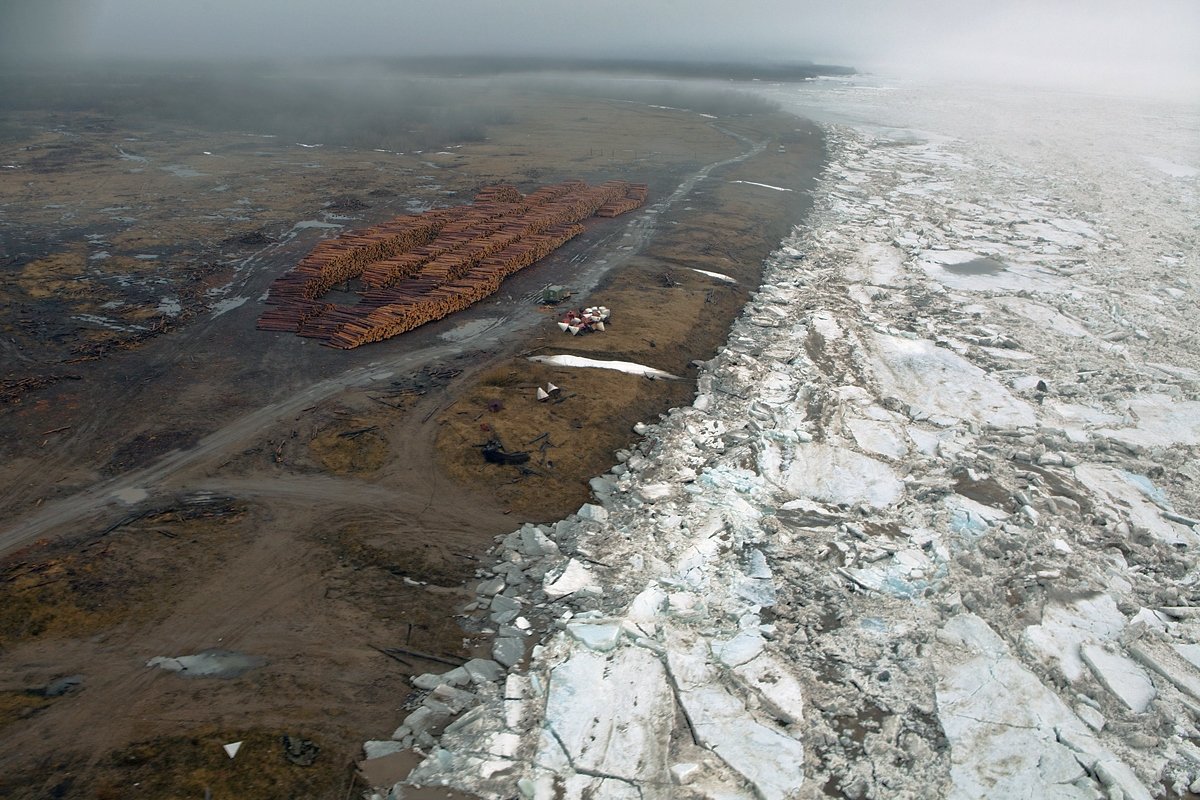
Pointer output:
x,y
175,481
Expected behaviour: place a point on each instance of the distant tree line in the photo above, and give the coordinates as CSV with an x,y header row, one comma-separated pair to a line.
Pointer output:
x,y
663,67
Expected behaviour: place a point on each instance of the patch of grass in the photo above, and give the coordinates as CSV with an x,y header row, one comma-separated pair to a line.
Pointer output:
x,y
594,419
504,377
61,596
16,706
192,766
375,562
66,588
146,447
354,454
60,275
364,546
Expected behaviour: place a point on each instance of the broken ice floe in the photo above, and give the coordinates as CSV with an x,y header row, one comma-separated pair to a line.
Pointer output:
x,y
767,758
1171,168
208,664
1156,420
628,740
1120,675
834,474
943,387
169,306
1128,496
1010,736
575,577
1065,626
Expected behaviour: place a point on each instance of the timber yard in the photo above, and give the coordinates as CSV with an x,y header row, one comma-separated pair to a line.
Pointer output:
x,y
418,269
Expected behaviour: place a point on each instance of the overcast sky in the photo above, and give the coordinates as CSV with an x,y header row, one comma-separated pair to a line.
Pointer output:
x,y
1075,41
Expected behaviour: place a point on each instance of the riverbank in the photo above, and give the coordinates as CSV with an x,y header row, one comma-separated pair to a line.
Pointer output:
x,y
220,488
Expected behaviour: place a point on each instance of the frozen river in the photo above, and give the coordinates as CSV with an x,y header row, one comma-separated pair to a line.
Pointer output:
x,y
929,528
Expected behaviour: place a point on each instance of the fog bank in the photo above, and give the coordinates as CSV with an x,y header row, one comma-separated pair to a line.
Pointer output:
x,y
1077,43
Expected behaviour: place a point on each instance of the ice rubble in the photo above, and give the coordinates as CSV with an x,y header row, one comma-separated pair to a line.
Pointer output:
x,y
916,537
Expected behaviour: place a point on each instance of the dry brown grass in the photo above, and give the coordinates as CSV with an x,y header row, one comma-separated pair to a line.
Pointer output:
x,y
18,705
64,596
193,765
359,454
65,590
577,435
374,566
59,275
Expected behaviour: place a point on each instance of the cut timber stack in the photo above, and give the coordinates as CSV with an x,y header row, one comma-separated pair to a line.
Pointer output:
x,y
419,268
634,196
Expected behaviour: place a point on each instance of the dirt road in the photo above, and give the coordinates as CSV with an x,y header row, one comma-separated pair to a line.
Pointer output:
x,y
113,497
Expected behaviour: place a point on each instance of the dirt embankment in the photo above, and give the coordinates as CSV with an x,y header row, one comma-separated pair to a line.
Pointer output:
x,y
665,315
333,540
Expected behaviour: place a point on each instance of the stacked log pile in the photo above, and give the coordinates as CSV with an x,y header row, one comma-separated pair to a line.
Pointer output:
x,y
633,198
498,193
420,268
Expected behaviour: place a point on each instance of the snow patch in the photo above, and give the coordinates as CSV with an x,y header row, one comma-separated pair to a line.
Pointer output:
x,y
628,367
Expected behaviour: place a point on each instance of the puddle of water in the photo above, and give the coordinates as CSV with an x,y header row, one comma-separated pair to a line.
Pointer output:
x,y
222,306
131,495
976,266
975,272
209,664
469,329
